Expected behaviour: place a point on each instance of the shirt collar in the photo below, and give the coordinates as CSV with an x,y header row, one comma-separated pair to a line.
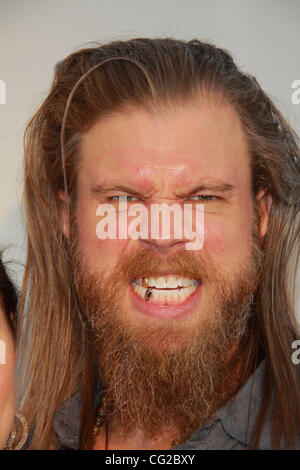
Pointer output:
x,y
66,422
239,415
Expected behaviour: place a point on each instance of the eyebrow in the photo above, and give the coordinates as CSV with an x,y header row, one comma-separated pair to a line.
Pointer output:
x,y
220,187
99,189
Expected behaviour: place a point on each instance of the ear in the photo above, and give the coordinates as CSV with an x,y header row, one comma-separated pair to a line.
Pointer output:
x,y
64,215
264,203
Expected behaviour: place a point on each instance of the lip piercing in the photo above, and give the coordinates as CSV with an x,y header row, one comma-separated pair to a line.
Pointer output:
x,y
148,294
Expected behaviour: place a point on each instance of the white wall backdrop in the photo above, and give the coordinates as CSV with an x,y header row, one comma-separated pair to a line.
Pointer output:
x,y
263,35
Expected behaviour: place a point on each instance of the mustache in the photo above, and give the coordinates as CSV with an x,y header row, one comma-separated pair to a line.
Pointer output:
x,y
146,263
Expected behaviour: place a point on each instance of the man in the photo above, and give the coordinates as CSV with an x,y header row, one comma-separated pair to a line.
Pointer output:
x,y
137,342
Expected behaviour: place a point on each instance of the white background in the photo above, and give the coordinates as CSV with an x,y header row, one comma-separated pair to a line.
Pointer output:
x,y
263,35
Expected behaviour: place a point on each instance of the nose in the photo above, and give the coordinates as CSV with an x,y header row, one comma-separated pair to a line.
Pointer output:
x,y
164,247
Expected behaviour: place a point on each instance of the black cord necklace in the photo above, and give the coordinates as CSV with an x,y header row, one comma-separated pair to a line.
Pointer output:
x,y
102,418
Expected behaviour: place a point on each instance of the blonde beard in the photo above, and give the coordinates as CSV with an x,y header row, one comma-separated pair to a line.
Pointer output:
x,y
166,377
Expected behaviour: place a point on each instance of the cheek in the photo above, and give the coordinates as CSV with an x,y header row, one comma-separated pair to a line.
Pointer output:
x,y
105,253
227,241
214,238
97,253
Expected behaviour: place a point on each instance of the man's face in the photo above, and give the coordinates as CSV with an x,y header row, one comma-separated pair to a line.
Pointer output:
x,y
168,351
164,158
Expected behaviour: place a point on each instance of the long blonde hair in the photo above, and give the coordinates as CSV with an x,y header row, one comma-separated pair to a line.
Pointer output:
x,y
55,350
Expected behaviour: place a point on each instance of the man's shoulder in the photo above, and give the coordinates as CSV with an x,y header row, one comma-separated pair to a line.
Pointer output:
x,y
234,424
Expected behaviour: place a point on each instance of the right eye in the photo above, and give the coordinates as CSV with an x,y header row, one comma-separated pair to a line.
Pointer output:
x,y
123,198
204,197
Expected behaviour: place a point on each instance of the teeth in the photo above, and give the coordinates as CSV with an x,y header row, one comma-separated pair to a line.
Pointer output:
x,y
172,283
161,283
186,282
168,296
151,282
167,282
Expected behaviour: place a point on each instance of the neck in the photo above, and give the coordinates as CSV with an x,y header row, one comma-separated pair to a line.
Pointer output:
x,y
110,437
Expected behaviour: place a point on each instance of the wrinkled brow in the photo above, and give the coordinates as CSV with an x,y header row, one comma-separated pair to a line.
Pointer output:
x,y
219,187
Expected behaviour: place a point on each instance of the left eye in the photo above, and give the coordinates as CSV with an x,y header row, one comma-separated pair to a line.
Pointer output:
x,y
203,197
123,198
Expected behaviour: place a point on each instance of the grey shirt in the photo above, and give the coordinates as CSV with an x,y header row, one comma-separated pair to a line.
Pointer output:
x,y
228,430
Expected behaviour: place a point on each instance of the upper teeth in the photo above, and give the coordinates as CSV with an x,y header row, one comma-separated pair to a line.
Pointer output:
x,y
167,282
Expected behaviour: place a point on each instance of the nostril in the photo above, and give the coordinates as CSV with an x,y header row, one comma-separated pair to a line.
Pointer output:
x,y
163,246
